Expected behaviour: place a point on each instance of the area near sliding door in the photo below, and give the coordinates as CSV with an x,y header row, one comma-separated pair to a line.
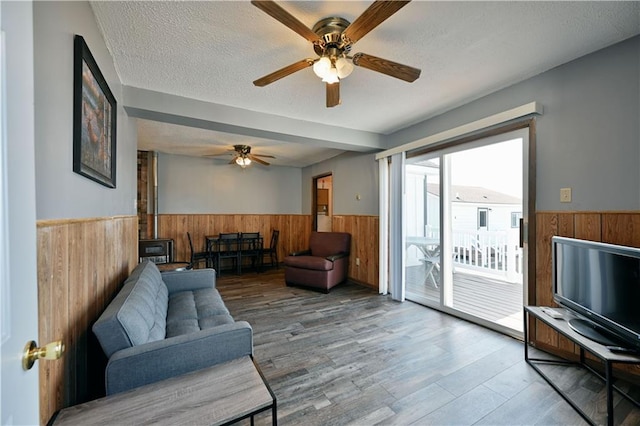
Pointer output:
x,y
462,218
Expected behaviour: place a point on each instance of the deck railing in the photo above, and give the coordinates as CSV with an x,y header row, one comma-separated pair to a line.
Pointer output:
x,y
495,252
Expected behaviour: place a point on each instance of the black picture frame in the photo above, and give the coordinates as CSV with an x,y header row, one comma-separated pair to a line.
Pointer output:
x,y
94,119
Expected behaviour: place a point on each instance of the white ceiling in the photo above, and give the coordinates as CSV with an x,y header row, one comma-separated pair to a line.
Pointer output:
x,y
212,51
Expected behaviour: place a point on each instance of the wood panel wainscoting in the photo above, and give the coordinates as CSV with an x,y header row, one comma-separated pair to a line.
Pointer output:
x,y
610,227
294,230
364,246
294,235
81,266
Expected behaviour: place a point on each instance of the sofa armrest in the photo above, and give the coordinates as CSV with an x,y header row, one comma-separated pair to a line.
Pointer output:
x,y
301,253
140,365
193,279
335,257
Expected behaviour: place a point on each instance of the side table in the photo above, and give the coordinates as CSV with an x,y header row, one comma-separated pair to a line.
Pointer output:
x,y
218,395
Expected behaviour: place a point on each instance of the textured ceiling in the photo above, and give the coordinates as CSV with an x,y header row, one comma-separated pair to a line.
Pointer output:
x,y
212,51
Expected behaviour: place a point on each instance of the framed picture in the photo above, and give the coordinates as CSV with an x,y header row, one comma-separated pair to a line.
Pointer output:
x,y
94,119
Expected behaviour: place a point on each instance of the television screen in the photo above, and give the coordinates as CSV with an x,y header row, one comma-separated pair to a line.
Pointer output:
x,y
602,282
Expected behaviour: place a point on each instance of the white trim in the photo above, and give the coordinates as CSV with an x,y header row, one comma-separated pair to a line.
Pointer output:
x,y
483,123
5,296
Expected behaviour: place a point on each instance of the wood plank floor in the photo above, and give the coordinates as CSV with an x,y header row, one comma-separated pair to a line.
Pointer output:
x,y
353,357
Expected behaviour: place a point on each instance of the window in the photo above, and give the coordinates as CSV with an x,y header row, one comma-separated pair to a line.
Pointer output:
x,y
483,218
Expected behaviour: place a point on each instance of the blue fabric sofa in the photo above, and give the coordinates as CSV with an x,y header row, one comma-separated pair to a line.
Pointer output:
x,y
161,325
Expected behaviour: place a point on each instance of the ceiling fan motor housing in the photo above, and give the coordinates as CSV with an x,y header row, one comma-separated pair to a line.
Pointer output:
x,y
242,149
330,32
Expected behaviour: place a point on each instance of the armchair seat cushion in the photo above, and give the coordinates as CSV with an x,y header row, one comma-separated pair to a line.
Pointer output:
x,y
309,262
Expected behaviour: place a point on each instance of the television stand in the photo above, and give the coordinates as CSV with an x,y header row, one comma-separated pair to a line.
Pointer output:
x,y
608,358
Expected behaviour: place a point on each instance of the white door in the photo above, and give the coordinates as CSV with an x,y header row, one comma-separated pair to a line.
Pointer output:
x,y
18,277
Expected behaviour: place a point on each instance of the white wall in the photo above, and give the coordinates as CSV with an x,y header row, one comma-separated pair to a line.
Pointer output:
x,y
589,136
61,193
202,185
353,174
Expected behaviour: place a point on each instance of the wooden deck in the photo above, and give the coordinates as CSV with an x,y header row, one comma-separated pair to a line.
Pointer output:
x,y
490,299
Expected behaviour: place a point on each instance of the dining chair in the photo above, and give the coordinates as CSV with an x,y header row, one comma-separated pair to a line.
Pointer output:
x,y
431,261
228,248
272,250
251,247
197,256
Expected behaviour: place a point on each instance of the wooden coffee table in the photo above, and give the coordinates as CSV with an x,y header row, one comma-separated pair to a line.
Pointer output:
x,y
218,395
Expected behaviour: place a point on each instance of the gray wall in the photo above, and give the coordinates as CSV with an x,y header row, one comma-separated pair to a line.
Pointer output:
x,y
589,136
201,185
353,174
61,193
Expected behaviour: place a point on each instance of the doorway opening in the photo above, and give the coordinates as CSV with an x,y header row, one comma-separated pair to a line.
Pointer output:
x,y
322,207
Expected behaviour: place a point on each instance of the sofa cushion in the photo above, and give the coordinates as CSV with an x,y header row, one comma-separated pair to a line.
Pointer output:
x,y
192,311
143,314
138,312
309,262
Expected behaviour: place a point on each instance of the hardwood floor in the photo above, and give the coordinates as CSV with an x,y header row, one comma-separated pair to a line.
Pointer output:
x,y
353,357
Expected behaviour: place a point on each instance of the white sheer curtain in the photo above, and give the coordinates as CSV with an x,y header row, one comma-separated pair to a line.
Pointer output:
x,y
391,262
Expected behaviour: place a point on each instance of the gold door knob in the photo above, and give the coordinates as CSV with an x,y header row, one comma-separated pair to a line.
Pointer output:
x,y
32,352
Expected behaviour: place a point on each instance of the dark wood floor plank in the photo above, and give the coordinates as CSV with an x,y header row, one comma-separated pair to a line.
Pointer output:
x,y
354,357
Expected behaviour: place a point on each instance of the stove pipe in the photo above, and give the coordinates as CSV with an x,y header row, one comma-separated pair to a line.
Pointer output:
x,y
154,171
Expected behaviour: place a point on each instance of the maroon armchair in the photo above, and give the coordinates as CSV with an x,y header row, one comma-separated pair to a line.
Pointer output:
x,y
323,266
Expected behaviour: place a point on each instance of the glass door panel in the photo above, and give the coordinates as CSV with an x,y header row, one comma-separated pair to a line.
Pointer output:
x,y
422,231
462,211
485,196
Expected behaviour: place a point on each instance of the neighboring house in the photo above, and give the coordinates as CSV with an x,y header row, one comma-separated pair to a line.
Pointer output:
x,y
474,208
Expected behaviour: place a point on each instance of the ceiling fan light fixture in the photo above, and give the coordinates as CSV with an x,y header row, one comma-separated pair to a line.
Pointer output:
x,y
344,67
332,76
243,161
322,67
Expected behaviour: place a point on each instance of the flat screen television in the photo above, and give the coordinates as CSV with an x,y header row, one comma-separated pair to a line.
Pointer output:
x,y
601,283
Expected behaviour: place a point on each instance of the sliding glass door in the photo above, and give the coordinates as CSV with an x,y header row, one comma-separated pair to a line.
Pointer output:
x,y
462,214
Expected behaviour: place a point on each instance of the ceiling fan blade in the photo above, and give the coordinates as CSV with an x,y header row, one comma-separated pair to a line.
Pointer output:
x,y
257,160
275,11
375,14
393,69
333,94
263,155
283,72
233,160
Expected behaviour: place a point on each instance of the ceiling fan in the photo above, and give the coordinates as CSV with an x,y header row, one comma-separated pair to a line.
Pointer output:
x,y
332,40
243,156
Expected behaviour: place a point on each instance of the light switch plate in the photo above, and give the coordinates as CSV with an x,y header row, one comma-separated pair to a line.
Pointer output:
x,y
565,195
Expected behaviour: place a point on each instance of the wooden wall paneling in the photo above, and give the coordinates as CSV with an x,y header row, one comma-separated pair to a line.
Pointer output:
x,y
364,246
621,228
294,230
52,316
546,227
81,265
588,226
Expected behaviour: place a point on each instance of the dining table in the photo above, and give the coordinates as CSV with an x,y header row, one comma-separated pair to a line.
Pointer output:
x,y
237,247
